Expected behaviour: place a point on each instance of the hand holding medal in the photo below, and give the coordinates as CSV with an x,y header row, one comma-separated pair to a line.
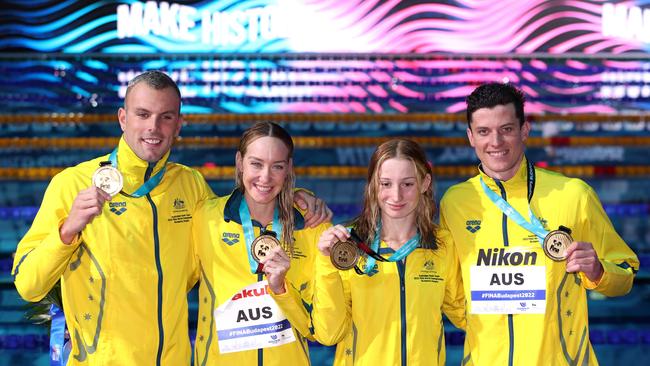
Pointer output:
x,y
335,242
274,263
347,249
582,257
106,182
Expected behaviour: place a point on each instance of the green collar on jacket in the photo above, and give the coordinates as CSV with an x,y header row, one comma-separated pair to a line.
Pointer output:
x,y
231,211
520,179
133,168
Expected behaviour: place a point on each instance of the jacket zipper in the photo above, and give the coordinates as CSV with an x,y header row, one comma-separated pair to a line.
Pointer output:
x,y
504,228
156,242
402,306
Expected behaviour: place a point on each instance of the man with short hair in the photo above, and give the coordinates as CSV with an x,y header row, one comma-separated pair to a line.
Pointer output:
x,y
123,252
530,243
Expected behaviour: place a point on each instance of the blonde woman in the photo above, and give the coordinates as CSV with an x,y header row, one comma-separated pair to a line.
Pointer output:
x,y
253,309
388,310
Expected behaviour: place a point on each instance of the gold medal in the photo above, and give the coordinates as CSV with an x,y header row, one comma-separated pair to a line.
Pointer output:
x,y
556,244
262,245
108,179
344,255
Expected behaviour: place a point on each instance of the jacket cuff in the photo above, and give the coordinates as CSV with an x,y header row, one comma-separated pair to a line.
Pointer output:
x,y
288,300
282,295
596,285
56,244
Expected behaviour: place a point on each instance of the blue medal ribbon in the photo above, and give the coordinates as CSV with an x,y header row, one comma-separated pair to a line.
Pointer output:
x,y
147,186
534,226
399,254
249,234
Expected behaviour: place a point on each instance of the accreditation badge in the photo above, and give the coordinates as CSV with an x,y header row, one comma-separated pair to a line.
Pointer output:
x,y
251,319
108,179
508,281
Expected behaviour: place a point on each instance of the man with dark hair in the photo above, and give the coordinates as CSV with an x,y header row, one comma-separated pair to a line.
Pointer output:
x,y
530,243
491,95
121,247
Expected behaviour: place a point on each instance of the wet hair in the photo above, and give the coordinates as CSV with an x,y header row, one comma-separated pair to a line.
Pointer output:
x,y
366,223
494,94
285,197
155,79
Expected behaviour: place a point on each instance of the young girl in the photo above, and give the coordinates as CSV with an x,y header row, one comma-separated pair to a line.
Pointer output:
x,y
388,310
245,243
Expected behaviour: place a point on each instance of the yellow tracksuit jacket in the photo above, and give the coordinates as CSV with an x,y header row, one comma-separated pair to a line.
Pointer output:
x,y
125,279
225,270
560,336
395,315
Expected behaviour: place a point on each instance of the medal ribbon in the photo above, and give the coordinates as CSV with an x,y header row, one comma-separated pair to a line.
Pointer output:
x,y
399,254
147,186
534,226
363,246
249,234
